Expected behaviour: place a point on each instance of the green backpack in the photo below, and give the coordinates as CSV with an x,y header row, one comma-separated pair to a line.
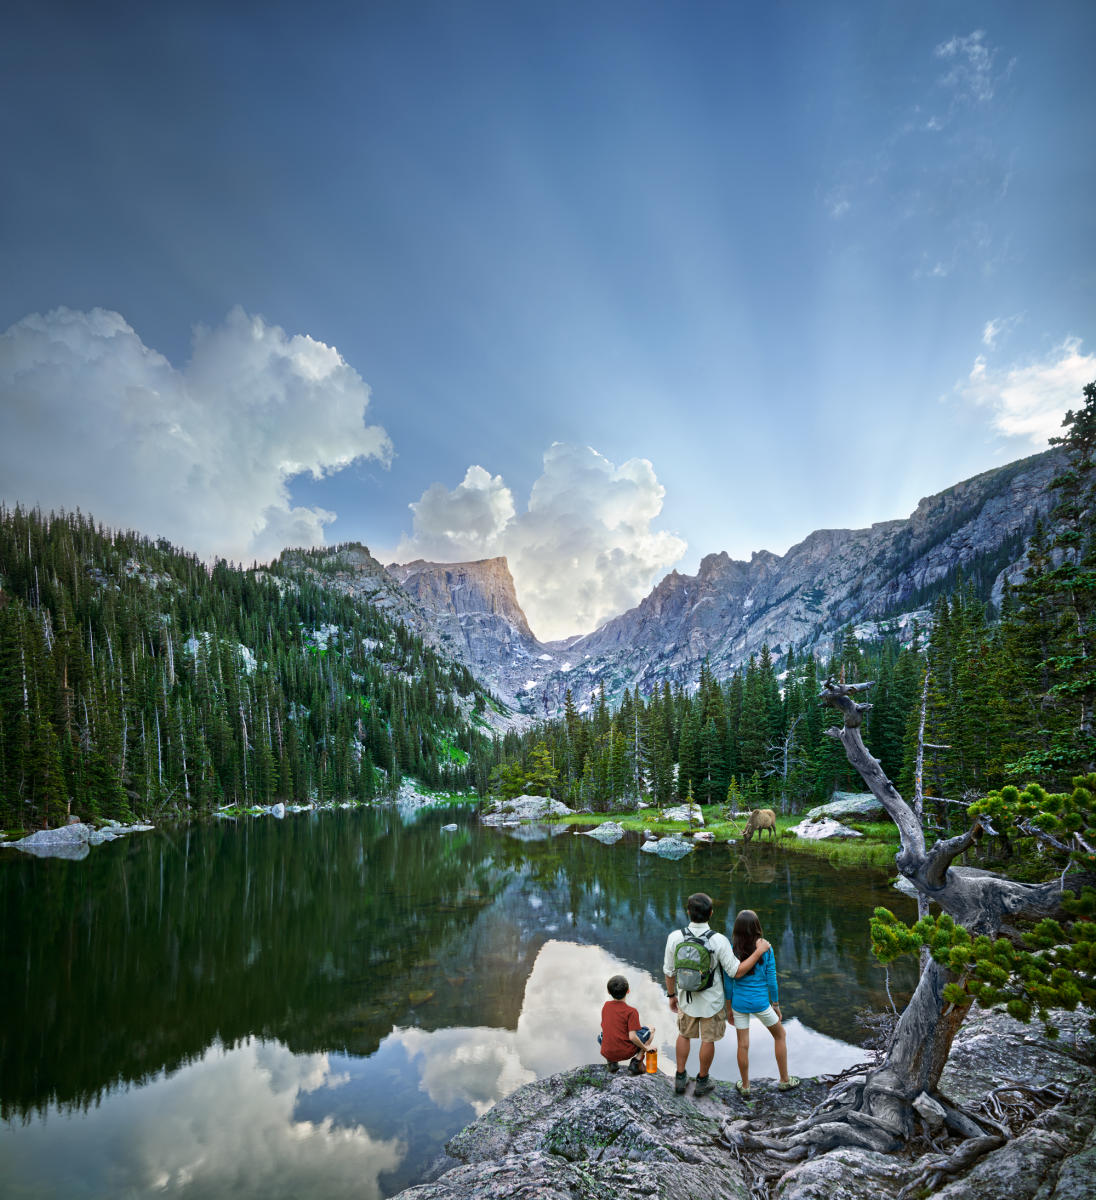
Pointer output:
x,y
694,963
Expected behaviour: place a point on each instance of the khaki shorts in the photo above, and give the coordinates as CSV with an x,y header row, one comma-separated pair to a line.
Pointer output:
x,y
708,1029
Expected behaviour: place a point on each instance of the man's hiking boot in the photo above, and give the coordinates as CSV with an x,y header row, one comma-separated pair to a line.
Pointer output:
x,y
634,1068
703,1085
681,1079
612,1068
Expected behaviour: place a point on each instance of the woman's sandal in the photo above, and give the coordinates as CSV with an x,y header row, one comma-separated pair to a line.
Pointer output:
x,y
791,1082
744,1092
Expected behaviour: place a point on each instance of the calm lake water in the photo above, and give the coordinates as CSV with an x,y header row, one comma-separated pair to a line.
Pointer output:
x,y
314,1006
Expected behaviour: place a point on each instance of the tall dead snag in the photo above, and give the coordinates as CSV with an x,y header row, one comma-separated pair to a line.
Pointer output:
x,y
878,1113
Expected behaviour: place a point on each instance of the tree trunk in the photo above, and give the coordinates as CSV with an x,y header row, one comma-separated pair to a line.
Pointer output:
x,y
878,1113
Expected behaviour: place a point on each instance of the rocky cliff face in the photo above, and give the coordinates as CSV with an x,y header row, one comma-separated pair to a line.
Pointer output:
x,y
877,579
474,612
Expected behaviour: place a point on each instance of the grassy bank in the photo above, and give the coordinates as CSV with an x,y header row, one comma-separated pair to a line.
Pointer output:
x,y
877,847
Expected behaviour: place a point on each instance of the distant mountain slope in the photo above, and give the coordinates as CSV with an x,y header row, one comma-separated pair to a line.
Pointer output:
x,y
134,679
729,609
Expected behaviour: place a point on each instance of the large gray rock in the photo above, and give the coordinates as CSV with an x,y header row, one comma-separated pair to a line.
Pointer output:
x,y
823,828
668,847
72,841
692,816
608,833
846,1174
845,806
526,808
992,1050
586,1133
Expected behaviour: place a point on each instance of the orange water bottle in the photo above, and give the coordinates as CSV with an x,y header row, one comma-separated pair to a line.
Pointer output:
x,y
652,1061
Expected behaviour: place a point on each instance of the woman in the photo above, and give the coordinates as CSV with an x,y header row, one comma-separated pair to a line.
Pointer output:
x,y
755,994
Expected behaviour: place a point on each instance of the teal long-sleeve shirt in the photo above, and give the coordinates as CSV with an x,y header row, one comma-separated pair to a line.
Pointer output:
x,y
756,990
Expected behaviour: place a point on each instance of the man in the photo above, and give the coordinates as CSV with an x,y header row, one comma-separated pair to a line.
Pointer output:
x,y
702,1014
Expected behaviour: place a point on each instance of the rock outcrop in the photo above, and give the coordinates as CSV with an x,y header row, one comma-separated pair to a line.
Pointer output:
x,y
844,806
588,1133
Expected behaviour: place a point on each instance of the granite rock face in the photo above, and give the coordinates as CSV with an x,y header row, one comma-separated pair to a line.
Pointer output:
x,y
591,1134
587,1133
872,578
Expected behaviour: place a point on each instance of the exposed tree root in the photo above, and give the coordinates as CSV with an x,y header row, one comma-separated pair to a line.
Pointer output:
x,y
936,1170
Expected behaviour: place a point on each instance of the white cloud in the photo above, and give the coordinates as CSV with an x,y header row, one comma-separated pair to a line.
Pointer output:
x,y
92,417
222,1126
997,327
970,73
1030,400
584,549
465,523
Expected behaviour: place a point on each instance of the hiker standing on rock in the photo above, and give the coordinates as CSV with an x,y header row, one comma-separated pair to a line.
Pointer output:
x,y
693,965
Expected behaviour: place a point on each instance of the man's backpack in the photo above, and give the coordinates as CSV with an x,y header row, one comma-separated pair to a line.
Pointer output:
x,y
695,964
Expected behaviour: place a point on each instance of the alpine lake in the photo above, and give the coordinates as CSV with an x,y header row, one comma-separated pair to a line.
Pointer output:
x,y
313,1006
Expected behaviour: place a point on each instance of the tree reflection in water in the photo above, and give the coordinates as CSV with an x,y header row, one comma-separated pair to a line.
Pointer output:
x,y
392,979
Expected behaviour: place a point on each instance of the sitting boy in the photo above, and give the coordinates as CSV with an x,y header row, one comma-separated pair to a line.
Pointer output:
x,y
622,1037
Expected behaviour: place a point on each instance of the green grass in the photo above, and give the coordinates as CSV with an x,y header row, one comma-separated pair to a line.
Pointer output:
x,y
877,847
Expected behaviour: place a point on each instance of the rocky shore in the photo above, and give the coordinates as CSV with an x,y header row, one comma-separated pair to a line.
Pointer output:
x,y
589,1133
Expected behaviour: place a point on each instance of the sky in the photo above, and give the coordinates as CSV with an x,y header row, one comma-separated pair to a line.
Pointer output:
x,y
603,287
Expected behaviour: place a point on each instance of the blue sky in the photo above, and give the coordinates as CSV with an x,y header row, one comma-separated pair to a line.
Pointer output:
x,y
811,262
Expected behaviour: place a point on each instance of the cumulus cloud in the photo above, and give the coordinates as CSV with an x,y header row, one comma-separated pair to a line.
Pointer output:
x,y
1030,400
92,417
465,523
223,1126
583,550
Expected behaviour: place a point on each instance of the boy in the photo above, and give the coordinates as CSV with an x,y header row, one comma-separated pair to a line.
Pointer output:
x,y
622,1037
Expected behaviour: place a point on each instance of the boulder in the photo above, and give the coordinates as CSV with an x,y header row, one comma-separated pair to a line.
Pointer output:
x,y
846,806
693,815
526,808
668,847
277,810
823,828
608,833
449,828
704,835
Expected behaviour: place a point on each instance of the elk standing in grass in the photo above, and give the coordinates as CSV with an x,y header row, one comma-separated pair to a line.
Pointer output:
x,y
760,820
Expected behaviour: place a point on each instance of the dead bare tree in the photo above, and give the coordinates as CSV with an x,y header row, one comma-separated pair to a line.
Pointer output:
x,y
782,757
877,1112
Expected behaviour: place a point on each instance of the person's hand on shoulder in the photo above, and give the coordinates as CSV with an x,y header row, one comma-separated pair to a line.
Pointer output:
x,y
763,945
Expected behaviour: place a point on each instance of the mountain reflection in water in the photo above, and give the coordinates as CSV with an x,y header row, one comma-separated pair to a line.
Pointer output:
x,y
315,1007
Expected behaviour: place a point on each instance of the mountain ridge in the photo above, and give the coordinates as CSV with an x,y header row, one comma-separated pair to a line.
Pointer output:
x,y
871,577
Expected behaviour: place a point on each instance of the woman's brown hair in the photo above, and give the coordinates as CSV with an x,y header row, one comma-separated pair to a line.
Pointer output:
x,y
747,929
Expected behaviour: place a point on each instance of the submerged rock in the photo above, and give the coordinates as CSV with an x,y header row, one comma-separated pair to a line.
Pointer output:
x,y
668,847
608,833
73,840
